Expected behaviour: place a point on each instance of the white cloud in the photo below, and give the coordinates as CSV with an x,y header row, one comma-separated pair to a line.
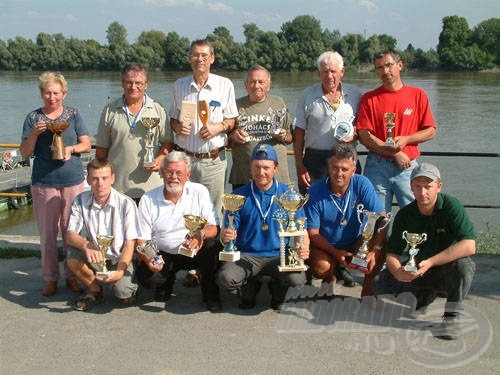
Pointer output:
x,y
175,3
71,18
369,4
220,7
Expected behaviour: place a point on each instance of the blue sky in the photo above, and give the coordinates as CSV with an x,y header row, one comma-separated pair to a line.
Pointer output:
x,y
409,21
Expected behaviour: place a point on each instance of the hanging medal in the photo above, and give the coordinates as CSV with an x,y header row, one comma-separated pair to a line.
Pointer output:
x,y
264,226
131,119
343,220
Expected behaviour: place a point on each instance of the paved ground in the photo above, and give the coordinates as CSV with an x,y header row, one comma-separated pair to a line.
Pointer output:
x,y
46,336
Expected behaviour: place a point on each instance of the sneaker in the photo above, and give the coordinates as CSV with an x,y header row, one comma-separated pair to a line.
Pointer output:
x,y
449,329
342,273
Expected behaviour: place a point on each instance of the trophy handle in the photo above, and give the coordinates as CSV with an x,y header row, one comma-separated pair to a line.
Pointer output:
x,y
359,210
386,222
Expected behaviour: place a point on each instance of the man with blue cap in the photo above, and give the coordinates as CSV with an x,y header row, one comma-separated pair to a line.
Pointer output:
x,y
256,236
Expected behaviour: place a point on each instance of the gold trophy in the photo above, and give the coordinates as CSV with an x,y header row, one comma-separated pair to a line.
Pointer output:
x,y
57,141
149,123
231,203
104,242
193,223
290,201
203,112
150,250
389,117
359,259
413,240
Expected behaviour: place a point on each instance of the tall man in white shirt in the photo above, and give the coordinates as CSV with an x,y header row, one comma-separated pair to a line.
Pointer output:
x,y
204,143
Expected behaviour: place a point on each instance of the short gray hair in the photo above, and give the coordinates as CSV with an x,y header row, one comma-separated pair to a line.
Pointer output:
x,y
330,56
174,157
255,67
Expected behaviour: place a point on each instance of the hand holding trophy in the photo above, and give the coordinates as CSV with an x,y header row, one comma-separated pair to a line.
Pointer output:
x,y
57,141
359,259
149,123
276,116
413,240
231,203
104,242
150,250
389,117
193,223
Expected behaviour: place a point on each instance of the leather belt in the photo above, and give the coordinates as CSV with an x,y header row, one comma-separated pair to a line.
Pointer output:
x,y
201,155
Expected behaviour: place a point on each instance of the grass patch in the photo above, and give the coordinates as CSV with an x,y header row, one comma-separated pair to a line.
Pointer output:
x,y
488,241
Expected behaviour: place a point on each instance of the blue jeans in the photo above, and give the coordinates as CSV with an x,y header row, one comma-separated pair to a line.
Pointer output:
x,y
389,180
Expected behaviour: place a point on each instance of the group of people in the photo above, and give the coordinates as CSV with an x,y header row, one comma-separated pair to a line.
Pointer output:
x,y
139,205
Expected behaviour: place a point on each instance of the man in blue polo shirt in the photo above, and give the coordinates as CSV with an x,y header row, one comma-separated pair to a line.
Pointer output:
x,y
256,236
333,225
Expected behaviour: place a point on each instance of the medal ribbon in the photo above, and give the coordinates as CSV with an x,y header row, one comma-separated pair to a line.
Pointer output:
x,y
342,211
257,203
132,122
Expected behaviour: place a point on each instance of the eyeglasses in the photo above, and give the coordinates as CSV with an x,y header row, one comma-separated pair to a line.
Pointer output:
x,y
171,173
138,84
201,56
385,66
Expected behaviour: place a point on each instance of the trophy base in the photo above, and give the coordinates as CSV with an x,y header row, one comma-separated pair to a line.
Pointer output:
x,y
186,252
229,256
296,268
410,268
103,274
359,264
390,143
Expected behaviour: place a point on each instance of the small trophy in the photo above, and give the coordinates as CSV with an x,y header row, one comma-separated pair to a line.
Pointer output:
x,y
150,250
243,120
359,259
104,242
413,240
57,141
149,123
290,201
231,203
193,223
389,117
203,112
277,116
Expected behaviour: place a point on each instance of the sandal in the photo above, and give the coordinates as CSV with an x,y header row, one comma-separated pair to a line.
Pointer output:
x,y
89,300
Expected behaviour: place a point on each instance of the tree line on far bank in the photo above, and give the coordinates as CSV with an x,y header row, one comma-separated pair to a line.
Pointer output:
x,y
294,48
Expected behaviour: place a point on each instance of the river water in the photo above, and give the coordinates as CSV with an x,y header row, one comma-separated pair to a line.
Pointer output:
x,y
465,106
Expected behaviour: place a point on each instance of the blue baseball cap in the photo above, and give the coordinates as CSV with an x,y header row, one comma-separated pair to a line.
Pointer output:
x,y
264,152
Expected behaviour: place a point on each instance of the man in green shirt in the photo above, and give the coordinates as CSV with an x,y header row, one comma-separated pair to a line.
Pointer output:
x,y
442,264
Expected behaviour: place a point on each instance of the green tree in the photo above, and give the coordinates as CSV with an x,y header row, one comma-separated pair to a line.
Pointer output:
x,y
116,35
487,36
176,51
349,47
6,58
302,38
223,43
454,41
152,43
22,51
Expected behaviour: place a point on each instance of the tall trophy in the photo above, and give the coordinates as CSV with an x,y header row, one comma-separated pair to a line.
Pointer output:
x,y
149,123
389,118
57,147
290,202
359,259
231,203
150,250
413,239
277,116
104,242
193,223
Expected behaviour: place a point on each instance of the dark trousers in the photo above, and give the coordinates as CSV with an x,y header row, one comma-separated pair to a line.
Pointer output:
x,y
206,260
454,279
241,276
